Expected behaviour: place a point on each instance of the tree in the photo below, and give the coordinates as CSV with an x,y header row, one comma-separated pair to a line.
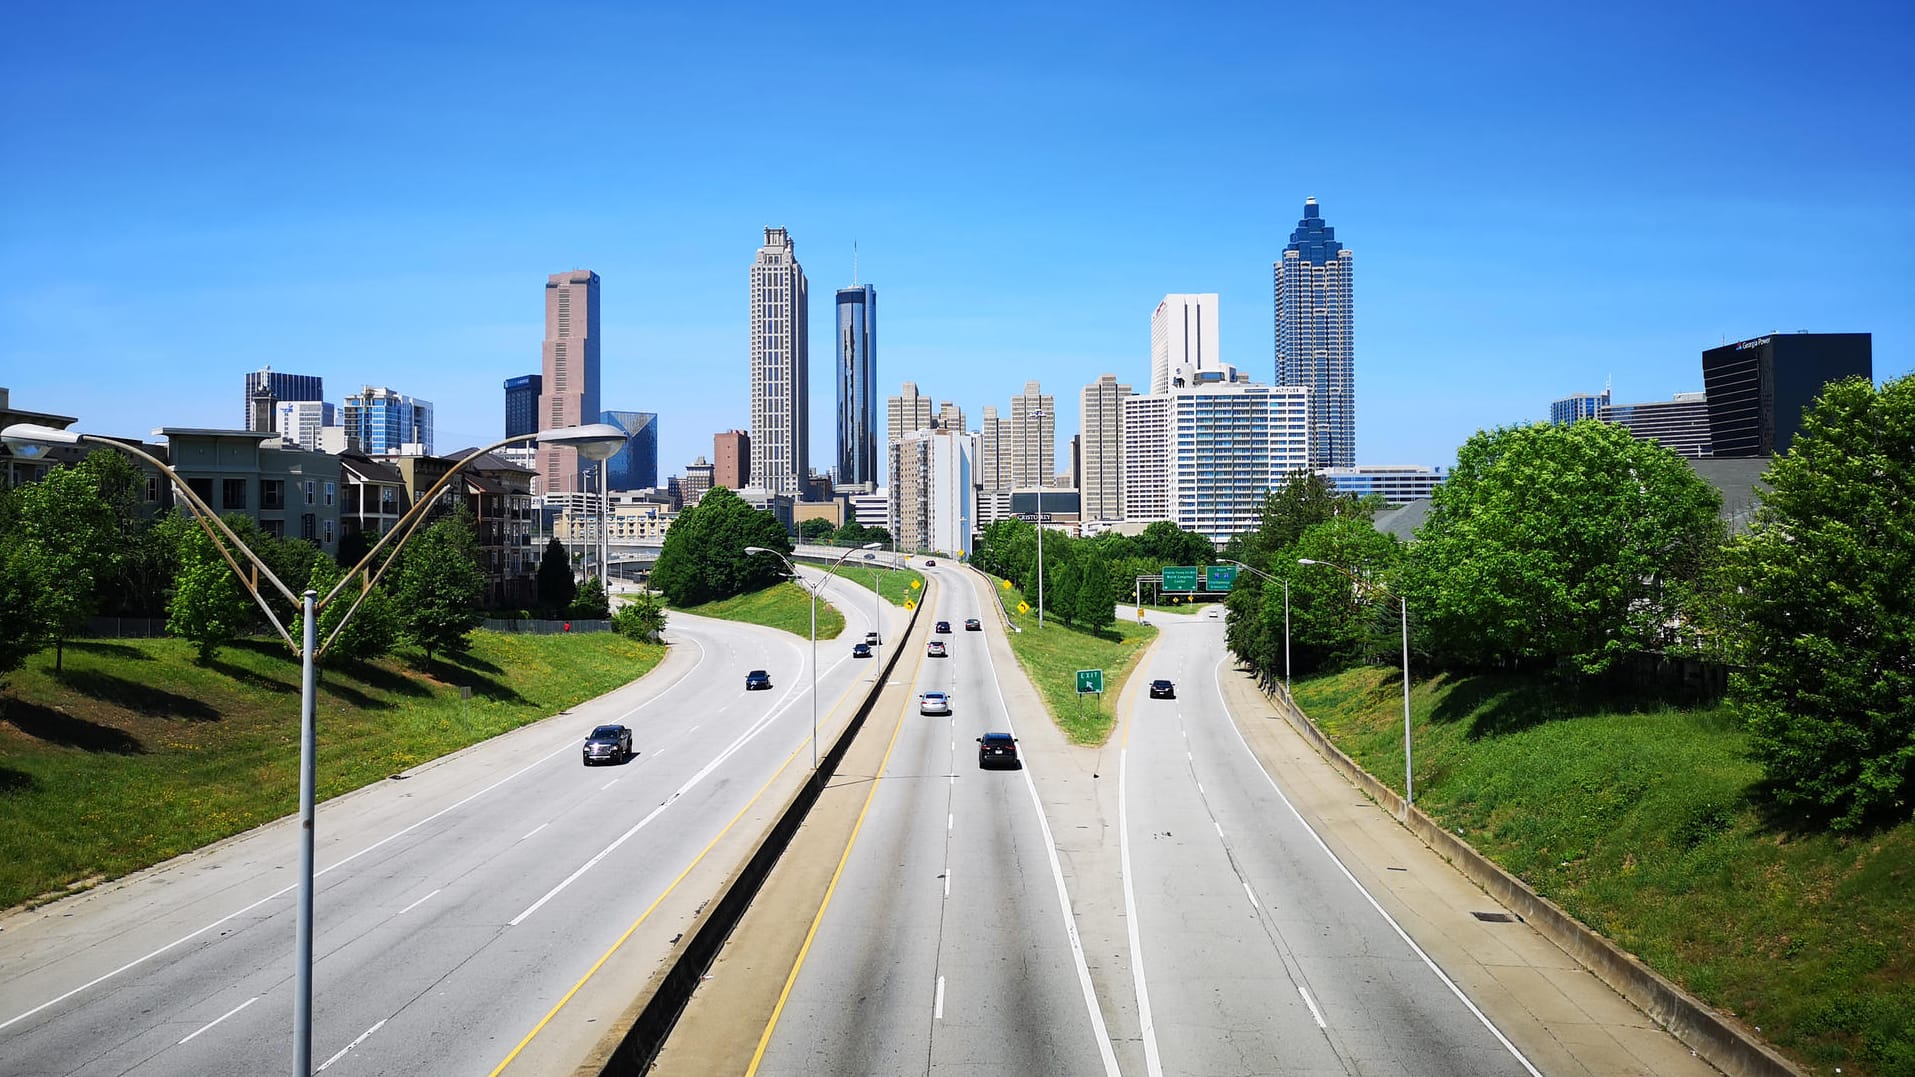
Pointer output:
x,y
1096,605
1819,611
556,589
816,529
591,603
374,628
704,559
641,616
1304,500
23,621
208,607
1564,546
439,586
72,528
1167,544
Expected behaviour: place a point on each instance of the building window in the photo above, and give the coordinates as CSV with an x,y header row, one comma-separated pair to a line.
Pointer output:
x,y
202,488
232,493
331,489
309,527
309,494
272,493
328,532
275,528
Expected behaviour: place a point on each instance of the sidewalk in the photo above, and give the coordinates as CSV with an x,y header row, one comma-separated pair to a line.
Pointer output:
x,y
1561,1016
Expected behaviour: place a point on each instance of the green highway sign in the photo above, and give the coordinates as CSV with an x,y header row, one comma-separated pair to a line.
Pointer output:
x,y
1219,577
1180,577
1090,680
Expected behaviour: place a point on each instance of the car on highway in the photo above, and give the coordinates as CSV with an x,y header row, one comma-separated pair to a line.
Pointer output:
x,y
1214,613
997,750
1162,689
608,742
861,650
972,624
935,649
931,564
944,626
757,679
872,638
934,703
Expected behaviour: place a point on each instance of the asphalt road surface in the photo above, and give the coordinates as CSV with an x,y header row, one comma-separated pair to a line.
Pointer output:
x,y
455,907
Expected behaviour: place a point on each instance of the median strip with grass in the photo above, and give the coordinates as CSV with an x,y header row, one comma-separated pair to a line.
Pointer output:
x,y
136,754
1640,819
1053,654
784,606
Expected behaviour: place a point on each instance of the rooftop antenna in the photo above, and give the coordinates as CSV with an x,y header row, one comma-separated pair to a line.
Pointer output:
x,y
854,263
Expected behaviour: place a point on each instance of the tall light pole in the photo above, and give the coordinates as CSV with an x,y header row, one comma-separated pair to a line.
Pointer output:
x,y
1286,616
1041,480
877,610
814,624
30,441
1409,780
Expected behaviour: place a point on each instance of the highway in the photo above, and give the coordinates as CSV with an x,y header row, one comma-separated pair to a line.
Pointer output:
x,y
457,905
948,945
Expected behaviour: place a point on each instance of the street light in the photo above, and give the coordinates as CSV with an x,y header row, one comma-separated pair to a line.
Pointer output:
x,y
1409,787
1286,616
814,625
1042,478
30,441
877,610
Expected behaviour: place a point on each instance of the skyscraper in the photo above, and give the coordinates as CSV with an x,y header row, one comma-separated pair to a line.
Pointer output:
x,y
1146,488
1680,425
568,393
1183,340
522,405
1315,335
1033,438
780,368
1578,406
951,417
1229,446
909,410
635,465
1101,452
993,452
857,386
1759,388
266,390
378,420
731,459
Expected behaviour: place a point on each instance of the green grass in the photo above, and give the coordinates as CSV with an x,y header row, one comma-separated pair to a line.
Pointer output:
x,y
1641,820
785,606
1053,654
135,754
894,585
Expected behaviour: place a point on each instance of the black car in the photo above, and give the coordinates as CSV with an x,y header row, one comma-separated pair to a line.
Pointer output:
x,y
861,650
1162,689
997,750
944,626
972,624
930,563
608,742
756,679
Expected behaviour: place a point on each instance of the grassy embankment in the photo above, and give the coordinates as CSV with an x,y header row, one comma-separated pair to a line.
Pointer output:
x,y
1640,820
1053,654
892,584
136,754
785,606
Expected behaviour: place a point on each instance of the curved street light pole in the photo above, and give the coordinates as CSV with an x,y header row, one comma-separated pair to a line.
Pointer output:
x,y
1042,478
1286,616
814,625
1403,606
28,440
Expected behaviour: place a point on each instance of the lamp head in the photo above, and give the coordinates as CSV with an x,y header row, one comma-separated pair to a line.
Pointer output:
x,y
1307,561
756,549
871,546
594,441
31,441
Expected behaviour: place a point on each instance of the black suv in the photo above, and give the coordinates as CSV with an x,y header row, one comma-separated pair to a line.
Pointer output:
x,y
608,742
997,750
1162,689
944,626
756,679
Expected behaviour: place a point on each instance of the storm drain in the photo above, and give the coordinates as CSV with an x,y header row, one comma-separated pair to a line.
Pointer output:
x,y
1495,917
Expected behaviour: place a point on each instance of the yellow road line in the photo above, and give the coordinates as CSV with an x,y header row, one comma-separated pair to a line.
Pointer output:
x,y
764,1041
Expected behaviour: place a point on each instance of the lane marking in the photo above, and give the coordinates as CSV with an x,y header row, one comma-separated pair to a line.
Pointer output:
x,y
1251,894
937,1007
947,882
950,821
1367,896
419,902
1153,1062
350,1046
535,830
611,783
220,1018
1219,826
1312,1003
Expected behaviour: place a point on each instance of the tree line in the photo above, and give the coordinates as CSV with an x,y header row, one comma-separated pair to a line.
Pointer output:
x,y
1571,550
1085,578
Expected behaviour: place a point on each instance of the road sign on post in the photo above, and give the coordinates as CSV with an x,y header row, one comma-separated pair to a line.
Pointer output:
x,y
1180,578
1090,680
1219,577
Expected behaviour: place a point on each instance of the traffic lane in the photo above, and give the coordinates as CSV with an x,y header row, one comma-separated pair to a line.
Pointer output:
x,y
254,941
1379,1002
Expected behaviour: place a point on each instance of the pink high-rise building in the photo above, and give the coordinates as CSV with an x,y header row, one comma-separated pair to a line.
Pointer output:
x,y
569,393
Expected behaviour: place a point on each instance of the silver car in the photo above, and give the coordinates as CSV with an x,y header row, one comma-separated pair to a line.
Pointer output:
x,y
934,703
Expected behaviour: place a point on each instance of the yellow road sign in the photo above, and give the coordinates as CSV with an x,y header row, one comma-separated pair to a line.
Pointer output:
x,y
915,584
910,605
1023,607
1006,584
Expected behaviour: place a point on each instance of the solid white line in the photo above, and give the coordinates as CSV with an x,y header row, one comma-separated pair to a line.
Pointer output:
x,y
950,821
419,902
222,1017
1200,789
1312,1003
1251,894
1367,896
536,829
1190,757
947,882
611,783
350,1046
1219,827
1153,1062
937,1007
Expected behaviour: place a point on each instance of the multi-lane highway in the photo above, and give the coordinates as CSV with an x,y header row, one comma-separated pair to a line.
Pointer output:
x,y
457,905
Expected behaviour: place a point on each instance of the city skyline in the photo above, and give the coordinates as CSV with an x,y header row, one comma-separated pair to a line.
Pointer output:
x,y
1502,234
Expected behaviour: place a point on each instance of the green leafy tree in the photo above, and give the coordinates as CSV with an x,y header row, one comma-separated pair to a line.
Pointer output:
x,y
1819,614
704,559
640,616
1304,500
23,623
1561,546
1167,544
372,632
208,607
439,587
591,603
816,529
1096,600
74,531
556,588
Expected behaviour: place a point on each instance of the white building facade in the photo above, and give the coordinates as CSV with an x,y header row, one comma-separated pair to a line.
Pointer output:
x,y
933,502
780,368
1229,446
1183,339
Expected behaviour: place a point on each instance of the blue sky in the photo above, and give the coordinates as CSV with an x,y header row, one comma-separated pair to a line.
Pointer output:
x,y
1538,200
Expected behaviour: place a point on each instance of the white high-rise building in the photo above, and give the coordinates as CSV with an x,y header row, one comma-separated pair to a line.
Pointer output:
x,y
932,498
1101,450
1183,340
1146,466
780,369
301,421
1229,445
1033,439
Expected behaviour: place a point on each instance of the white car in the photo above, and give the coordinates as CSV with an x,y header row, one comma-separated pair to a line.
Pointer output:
x,y
934,703
1214,613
